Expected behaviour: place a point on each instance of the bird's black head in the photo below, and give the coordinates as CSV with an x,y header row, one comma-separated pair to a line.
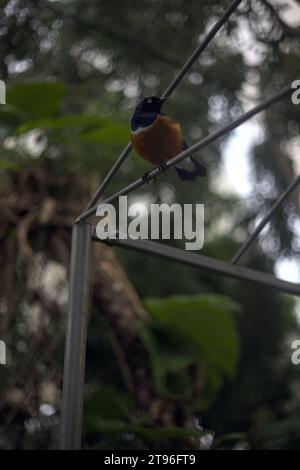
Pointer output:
x,y
152,104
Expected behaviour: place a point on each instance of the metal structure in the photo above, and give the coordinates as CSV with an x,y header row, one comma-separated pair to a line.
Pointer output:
x,y
265,220
83,235
71,418
206,263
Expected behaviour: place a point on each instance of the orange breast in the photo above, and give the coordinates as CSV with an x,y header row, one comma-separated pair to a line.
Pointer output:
x,y
162,141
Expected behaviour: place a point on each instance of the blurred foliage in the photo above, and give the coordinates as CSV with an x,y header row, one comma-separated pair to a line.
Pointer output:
x,y
74,72
108,413
36,100
278,435
185,364
192,326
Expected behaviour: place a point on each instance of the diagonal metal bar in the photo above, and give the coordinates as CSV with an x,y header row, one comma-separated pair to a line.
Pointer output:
x,y
119,162
201,48
204,262
168,91
193,148
265,220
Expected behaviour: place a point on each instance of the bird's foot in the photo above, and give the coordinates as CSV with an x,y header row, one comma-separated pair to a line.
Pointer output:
x,y
146,178
163,167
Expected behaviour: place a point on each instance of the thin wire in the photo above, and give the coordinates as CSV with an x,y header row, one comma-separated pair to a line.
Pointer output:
x,y
201,48
192,149
265,220
168,91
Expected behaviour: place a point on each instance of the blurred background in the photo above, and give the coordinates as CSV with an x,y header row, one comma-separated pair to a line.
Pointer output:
x,y
177,358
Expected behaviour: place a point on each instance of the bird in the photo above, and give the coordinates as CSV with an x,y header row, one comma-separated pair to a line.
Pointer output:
x,y
157,138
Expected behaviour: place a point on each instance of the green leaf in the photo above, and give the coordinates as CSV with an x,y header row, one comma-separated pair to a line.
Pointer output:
x,y
107,411
91,129
207,324
169,357
72,121
112,134
119,428
107,403
36,100
9,165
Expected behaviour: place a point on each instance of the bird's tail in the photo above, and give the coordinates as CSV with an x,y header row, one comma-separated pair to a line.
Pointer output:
x,y
199,171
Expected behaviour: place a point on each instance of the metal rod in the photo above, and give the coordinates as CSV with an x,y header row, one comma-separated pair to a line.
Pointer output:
x,y
265,220
206,263
109,176
75,343
192,149
168,91
201,48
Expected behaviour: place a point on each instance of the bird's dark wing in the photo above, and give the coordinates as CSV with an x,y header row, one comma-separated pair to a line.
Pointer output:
x,y
184,145
199,171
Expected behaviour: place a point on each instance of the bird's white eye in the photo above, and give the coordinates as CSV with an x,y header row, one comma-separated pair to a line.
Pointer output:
x,y
149,100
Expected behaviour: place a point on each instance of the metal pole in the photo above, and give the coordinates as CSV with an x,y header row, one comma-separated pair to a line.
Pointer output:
x,y
203,262
265,220
75,345
201,48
